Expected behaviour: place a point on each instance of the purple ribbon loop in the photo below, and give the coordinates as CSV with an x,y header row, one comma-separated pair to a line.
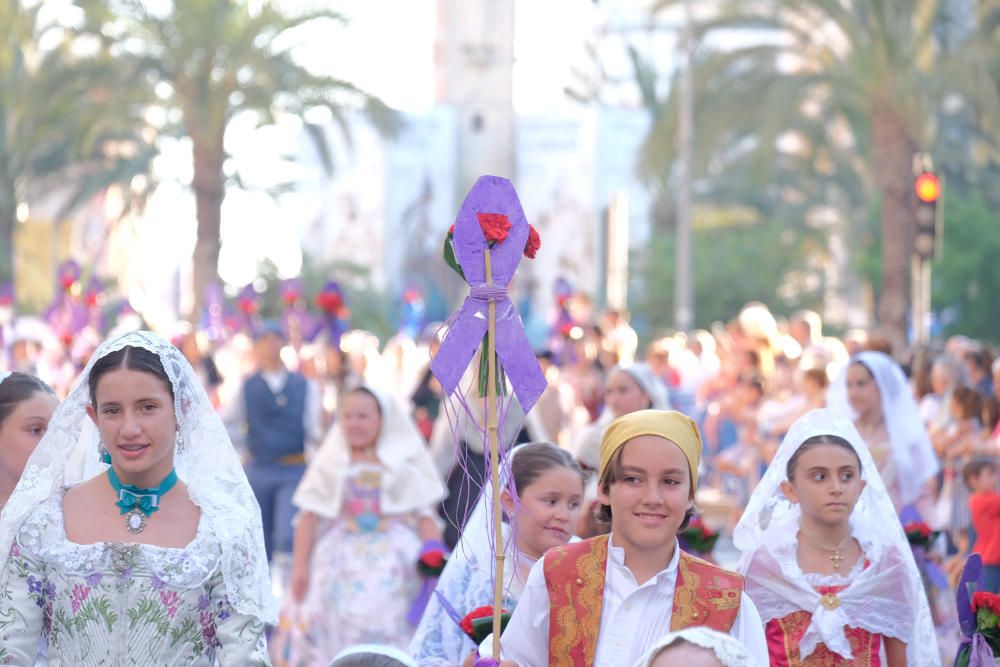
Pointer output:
x,y
490,194
981,655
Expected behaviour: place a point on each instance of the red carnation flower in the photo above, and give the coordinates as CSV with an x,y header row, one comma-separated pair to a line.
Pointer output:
x,y
91,299
451,230
479,612
433,558
66,282
495,226
984,600
533,244
247,306
329,302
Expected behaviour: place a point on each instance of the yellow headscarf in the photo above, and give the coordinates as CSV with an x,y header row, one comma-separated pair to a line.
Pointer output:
x,y
676,427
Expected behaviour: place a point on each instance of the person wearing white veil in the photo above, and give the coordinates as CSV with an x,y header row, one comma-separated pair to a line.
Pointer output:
x,y
542,496
627,389
825,558
874,393
366,504
155,559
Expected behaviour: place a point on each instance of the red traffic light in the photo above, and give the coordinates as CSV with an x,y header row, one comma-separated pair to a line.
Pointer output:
x,y
928,187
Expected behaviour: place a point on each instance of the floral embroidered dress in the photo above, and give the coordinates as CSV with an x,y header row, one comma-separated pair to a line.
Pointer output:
x,y
119,604
362,580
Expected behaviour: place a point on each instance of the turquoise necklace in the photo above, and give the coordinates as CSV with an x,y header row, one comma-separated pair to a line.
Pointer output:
x,y
138,503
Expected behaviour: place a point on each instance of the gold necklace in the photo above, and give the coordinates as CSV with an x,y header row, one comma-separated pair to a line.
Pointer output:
x,y
835,552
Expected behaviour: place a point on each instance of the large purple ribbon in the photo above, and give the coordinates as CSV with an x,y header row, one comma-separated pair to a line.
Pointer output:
x,y
971,581
980,654
490,194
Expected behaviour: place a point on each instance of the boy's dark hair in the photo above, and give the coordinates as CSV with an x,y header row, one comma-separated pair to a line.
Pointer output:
x,y
816,441
974,468
133,359
16,388
614,473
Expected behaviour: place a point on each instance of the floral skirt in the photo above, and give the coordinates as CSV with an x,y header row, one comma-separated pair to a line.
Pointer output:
x,y
361,586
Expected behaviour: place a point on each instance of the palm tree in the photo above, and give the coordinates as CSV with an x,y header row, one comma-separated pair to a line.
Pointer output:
x,y
210,60
845,86
60,124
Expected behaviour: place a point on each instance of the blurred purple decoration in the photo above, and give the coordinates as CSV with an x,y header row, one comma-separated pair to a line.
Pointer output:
x,y
294,315
333,314
490,195
67,274
213,315
248,303
411,320
971,581
93,298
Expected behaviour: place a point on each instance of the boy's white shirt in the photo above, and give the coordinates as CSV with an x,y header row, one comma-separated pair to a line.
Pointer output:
x,y
633,617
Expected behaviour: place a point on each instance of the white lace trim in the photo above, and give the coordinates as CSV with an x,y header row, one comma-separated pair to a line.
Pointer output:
x,y
43,535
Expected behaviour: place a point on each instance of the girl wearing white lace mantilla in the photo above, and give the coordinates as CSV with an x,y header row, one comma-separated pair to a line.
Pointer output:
x,y
825,557
155,559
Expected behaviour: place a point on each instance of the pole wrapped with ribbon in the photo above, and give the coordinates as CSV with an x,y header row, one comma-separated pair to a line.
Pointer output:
x,y
485,247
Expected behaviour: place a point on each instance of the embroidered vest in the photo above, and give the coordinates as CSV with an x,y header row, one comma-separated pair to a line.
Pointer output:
x,y
574,575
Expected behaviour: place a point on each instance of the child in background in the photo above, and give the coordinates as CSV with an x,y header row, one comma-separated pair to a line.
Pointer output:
x,y
984,505
697,647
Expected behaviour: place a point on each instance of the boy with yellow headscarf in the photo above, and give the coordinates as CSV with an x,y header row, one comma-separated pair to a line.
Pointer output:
x,y
604,601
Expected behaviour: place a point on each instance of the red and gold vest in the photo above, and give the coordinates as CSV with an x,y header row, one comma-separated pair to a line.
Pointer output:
x,y
574,575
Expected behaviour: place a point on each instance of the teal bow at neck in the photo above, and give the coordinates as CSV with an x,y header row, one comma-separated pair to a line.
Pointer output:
x,y
132,497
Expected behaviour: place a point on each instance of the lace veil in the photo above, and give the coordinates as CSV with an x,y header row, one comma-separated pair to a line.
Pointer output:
x,y
205,460
912,451
766,536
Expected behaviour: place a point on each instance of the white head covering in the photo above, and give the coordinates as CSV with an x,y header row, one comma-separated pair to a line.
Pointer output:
x,y
207,464
410,482
587,446
886,598
651,385
377,649
727,649
912,451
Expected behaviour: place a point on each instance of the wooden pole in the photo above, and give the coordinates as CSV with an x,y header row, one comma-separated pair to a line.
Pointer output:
x,y
491,430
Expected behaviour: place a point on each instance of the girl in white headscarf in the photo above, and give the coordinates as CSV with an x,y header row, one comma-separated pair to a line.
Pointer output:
x,y
874,393
825,558
366,503
157,556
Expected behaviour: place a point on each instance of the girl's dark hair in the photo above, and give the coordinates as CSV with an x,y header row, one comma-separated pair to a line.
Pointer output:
x,y
536,458
368,392
133,359
816,441
616,473
19,387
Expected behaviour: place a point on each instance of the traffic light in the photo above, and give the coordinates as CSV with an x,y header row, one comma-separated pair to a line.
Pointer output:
x,y
928,190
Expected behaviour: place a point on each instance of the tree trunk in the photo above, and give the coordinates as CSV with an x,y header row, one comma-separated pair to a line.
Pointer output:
x,y
893,148
209,190
8,216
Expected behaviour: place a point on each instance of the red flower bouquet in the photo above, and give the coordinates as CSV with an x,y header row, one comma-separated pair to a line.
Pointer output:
x,y
533,244
698,537
478,623
986,637
431,562
919,534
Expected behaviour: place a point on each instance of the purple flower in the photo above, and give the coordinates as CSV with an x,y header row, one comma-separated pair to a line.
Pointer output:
x,y
157,583
95,579
50,589
77,597
207,628
34,585
224,608
203,602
